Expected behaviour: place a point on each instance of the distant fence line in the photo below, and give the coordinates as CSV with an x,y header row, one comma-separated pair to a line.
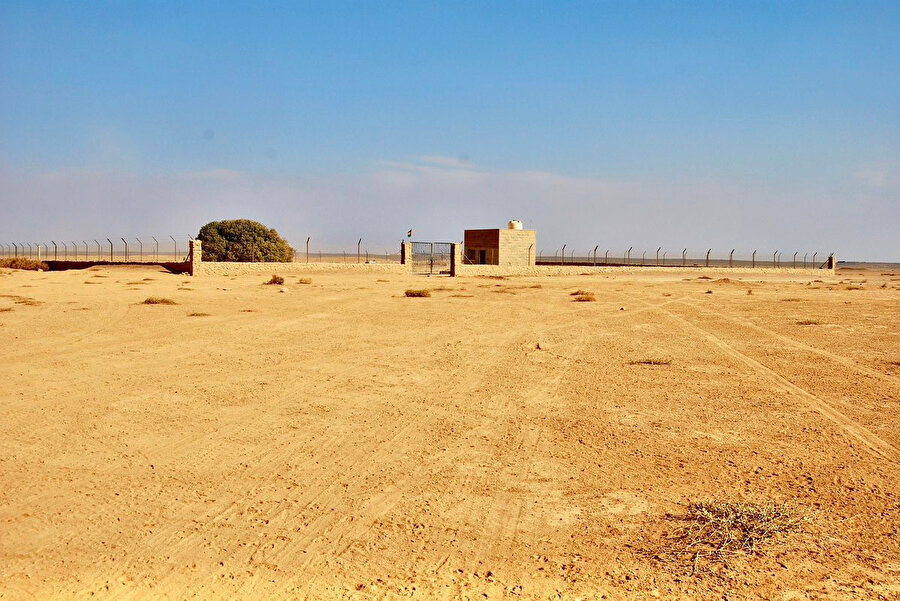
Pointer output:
x,y
175,248
684,258
164,249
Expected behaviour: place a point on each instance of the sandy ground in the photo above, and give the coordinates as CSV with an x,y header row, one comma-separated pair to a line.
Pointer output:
x,y
341,441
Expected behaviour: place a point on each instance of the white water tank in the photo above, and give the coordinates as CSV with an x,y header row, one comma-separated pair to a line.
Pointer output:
x,y
515,224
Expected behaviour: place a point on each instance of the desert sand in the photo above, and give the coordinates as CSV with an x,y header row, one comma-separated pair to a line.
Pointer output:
x,y
496,440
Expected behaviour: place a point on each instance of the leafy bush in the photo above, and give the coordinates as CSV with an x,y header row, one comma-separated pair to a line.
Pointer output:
x,y
23,263
243,240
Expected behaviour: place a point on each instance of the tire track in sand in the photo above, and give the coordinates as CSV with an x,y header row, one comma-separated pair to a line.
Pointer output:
x,y
855,430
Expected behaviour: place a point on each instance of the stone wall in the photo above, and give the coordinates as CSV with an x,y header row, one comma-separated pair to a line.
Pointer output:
x,y
517,248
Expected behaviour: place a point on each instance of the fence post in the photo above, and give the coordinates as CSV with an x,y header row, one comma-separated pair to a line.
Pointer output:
x,y
307,249
141,256
595,254
125,242
55,248
707,256
657,255
358,244
665,252
156,248
643,256
814,259
683,255
804,259
628,260
564,254
774,257
795,259
98,248
731,258
176,246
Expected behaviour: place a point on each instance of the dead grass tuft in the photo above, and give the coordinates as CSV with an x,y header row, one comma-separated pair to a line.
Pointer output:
x,y
5,309
304,281
276,280
651,362
578,292
584,297
417,293
790,300
749,291
198,315
157,300
704,277
808,322
23,263
133,283
716,529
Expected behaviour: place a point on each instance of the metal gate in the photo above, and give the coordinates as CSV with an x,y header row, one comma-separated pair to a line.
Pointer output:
x,y
431,258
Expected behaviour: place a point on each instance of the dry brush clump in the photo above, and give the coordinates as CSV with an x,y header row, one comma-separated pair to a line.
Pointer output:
x,y
304,281
417,293
713,530
198,314
651,362
582,296
24,263
808,322
275,280
158,300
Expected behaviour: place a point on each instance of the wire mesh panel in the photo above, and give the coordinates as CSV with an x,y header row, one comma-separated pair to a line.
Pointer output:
x,y
431,258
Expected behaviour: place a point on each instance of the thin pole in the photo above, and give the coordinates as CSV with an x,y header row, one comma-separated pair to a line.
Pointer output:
x,y
731,257
707,256
125,242
628,260
595,254
358,244
643,256
110,250
564,254
774,256
85,249
754,259
156,242
176,246
98,248
657,254
54,250
814,259
75,246
307,249
141,256
795,259
683,254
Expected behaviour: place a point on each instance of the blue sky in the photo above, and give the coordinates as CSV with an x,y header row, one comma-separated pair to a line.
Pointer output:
x,y
727,124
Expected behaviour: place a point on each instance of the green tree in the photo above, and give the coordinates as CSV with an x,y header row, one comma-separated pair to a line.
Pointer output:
x,y
243,240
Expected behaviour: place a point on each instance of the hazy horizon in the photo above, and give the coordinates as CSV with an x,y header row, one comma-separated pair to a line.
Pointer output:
x,y
760,126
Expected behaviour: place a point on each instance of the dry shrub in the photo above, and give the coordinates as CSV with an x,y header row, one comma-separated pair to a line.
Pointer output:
x,y
716,529
749,292
417,293
248,310
275,280
578,292
808,322
651,362
704,277
133,283
667,294
790,300
304,281
5,309
585,297
708,292
462,296
198,314
23,263
157,300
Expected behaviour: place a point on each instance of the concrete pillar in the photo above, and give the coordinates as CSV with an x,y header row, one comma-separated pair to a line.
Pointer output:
x,y
195,258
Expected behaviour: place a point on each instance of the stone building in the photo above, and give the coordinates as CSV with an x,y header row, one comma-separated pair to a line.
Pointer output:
x,y
512,246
